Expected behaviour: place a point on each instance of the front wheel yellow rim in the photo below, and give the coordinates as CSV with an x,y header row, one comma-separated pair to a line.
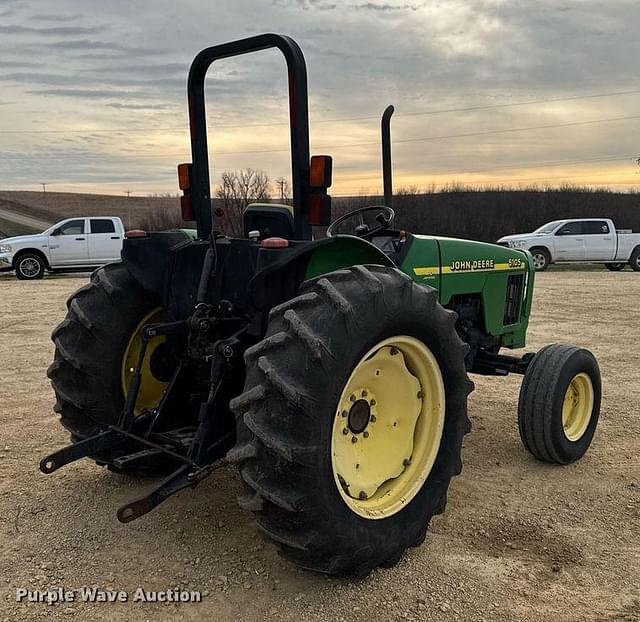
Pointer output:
x,y
151,388
388,427
577,407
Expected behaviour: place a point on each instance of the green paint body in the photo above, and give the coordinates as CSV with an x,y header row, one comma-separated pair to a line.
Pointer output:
x,y
454,267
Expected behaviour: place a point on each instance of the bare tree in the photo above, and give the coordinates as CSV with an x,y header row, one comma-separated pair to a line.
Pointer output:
x,y
238,189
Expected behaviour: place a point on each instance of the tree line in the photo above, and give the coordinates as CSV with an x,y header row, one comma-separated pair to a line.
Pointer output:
x,y
455,210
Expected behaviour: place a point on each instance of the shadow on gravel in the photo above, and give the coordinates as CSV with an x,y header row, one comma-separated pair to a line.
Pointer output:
x,y
10,276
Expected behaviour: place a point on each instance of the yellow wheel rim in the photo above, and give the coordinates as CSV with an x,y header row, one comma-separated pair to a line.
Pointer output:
x,y
151,388
388,427
577,407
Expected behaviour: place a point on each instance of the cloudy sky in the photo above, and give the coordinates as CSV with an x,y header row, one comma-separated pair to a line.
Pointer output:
x,y
92,94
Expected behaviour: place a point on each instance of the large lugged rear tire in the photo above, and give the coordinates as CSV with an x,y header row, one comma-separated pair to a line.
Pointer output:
x,y
348,327
86,373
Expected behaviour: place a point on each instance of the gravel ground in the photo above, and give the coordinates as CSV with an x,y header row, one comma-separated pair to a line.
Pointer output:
x,y
519,540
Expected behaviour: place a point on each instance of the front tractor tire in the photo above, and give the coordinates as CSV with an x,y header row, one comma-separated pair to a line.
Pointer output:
x,y
351,421
559,403
95,346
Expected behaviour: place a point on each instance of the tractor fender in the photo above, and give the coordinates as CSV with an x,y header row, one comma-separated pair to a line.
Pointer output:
x,y
280,280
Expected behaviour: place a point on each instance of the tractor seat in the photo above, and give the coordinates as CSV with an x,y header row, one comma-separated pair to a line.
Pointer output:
x,y
270,219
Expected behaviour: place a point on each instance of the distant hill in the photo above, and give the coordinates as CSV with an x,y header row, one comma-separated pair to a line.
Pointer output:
x,y
9,228
54,206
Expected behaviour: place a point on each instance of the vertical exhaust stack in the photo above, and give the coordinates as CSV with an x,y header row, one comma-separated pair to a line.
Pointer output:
x,y
387,173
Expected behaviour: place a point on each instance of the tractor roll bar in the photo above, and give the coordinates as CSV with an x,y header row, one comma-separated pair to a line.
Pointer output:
x,y
298,121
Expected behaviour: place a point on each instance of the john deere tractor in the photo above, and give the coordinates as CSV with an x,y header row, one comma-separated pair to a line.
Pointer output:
x,y
333,373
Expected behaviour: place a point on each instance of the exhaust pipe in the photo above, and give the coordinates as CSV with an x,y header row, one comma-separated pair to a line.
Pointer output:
x,y
387,180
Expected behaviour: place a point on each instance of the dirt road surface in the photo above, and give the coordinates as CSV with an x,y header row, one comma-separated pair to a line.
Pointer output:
x,y
519,540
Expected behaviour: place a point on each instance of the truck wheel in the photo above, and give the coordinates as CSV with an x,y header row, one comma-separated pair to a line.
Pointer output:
x,y
96,346
559,403
634,260
615,267
351,422
541,259
29,266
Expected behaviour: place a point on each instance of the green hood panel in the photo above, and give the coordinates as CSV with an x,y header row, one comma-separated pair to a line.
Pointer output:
x,y
468,268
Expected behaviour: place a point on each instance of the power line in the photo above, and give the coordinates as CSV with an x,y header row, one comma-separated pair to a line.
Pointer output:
x,y
370,143
521,165
451,110
337,119
426,176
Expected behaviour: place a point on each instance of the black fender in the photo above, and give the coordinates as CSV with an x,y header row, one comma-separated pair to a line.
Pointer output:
x,y
280,279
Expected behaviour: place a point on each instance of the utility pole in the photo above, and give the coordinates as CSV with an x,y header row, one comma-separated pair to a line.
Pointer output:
x,y
128,193
282,184
44,186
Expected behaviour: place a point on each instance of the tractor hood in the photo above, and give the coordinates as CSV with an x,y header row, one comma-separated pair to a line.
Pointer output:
x,y
431,258
471,256
458,255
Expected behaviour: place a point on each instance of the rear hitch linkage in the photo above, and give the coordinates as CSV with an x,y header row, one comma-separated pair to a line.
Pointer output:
x,y
137,435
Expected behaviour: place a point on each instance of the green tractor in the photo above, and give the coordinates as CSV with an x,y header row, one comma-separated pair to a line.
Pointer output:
x,y
333,373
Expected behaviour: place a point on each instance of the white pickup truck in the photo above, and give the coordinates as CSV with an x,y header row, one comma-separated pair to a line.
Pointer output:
x,y
71,244
587,240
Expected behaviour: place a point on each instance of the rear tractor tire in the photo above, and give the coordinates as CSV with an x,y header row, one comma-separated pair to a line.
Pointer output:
x,y
559,403
96,347
351,421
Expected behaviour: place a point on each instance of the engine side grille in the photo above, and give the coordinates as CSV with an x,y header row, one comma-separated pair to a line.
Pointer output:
x,y
513,299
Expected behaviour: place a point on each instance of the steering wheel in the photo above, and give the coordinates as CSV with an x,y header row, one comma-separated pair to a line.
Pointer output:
x,y
385,217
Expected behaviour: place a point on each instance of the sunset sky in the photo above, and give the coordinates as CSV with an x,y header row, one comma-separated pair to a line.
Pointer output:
x,y
92,94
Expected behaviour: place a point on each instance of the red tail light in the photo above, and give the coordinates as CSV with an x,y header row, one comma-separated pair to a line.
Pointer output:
x,y
319,209
186,208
